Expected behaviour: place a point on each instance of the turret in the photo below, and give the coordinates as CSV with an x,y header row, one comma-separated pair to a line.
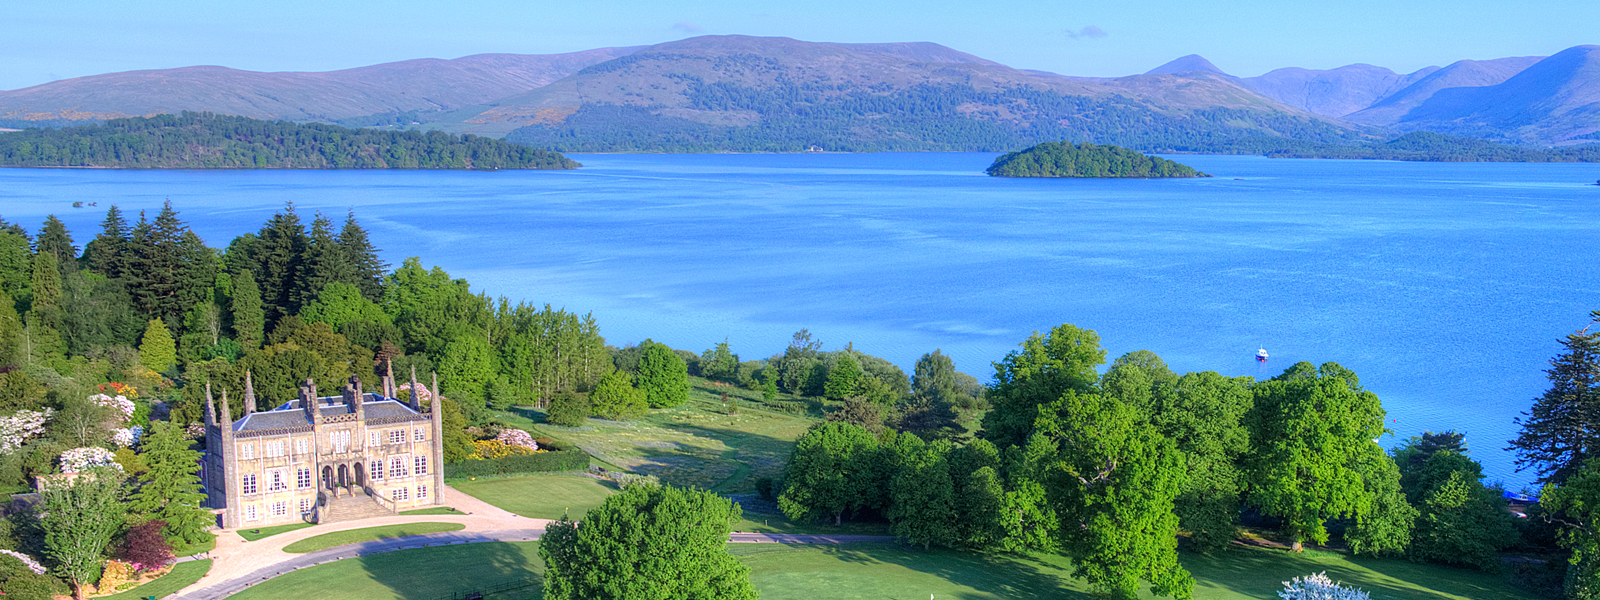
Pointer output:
x,y
437,409
249,394
353,397
230,468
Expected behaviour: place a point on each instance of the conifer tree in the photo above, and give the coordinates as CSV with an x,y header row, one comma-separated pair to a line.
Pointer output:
x,y
157,350
170,489
279,253
367,270
249,320
107,254
16,263
1562,430
322,263
46,283
13,346
54,239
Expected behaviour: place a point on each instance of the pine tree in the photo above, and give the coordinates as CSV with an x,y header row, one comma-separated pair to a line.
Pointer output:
x,y
366,270
249,320
46,282
168,267
1562,430
322,263
170,489
16,263
54,239
157,350
279,253
107,254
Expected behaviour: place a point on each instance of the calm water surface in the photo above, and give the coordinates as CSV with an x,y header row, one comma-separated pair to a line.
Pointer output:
x,y
1445,287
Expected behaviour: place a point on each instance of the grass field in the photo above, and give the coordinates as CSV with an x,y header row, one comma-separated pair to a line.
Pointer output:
x,y
251,535
181,576
206,546
879,571
367,534
437,510
694,445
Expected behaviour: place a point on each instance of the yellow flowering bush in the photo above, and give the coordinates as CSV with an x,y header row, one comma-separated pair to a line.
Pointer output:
x,y
116,574
490,449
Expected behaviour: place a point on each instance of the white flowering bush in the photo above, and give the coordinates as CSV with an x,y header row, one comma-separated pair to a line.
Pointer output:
x,y
121,403
17,428
517,437
78,460
127,437
1317,586
27,561
422,393
194,431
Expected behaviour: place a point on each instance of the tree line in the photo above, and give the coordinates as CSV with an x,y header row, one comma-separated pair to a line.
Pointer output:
x,y
204,140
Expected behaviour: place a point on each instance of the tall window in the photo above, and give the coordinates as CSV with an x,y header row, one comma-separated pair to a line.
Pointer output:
x,y
277,480
377,469
248,484
247,451
341,441
249,512
421,465
397,435
300,446
302,479
272,449
421,434
422,492
373,438
397,467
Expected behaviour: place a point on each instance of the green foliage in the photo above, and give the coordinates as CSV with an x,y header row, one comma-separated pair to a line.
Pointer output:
x,y
157,351
16,263
1461,521
1434,147
720,364
1386,529
568,409
18,582
981,510
1028,520
663,376
79,521
1577,504
167,268
646,542
466,368
541,462
96,312
833,469
1046,367
430,308
457,444
55,240
1308,429
11,332
1065,159
859,412
844,379
366,269
209,141
249,318
46,284
169,490
1113,481
277,259
1202,413
921,499
1559,434
614,397
341,303
107,254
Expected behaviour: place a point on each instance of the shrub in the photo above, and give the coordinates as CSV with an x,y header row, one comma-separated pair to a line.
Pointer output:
x,y
1317,586
568,410
566,460
491,449
115,574
146,547
627,480
765,486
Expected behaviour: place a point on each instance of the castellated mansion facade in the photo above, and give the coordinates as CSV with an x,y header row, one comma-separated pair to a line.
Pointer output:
x,y
319,457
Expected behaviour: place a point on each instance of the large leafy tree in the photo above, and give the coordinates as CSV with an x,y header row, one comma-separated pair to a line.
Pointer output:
x,y
1114,478
169,490
1387,527
80,519
340,303
1562,430
832,469
664,376
614,397
1203,415
1309,429
647,543
1046,367
467,367
1461,521
922,499
1575,505
719,363
430,308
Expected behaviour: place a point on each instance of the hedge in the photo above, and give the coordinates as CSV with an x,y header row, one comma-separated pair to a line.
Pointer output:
x,y
564,460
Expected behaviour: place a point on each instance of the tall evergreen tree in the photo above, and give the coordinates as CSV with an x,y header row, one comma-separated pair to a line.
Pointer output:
x,y
248,316
278,255
366,269
170,489
157,349
16,264
107,253
46,283
323,263
169,268
54,239
1562,430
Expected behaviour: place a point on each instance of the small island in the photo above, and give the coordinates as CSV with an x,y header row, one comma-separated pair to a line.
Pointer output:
x,y
194,140
1066,159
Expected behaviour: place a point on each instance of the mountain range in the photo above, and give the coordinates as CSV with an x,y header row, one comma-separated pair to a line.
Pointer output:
x,y
718,93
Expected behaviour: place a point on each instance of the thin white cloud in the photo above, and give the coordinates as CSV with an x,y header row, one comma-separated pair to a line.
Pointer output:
x,y
1089,31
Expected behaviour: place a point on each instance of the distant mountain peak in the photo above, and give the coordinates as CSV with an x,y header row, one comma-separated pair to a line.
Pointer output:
x,y
1186,64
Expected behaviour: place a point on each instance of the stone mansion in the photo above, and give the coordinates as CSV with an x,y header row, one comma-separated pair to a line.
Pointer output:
x,y
318,458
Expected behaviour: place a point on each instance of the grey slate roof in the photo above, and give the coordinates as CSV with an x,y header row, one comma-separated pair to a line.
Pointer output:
x,y
289,414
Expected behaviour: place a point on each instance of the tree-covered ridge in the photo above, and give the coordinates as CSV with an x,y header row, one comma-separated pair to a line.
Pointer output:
x,y
210,141
1433,147
1065,159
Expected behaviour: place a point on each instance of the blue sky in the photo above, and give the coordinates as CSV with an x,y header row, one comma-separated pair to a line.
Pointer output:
x,y
43,41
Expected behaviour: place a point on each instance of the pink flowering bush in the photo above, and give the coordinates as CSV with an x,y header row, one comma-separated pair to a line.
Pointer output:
x,y
194,431
121,403
423,395
17,428
517,437
78,460
127,437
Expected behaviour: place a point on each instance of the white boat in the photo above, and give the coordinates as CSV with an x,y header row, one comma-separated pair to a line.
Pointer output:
x,y
1261,355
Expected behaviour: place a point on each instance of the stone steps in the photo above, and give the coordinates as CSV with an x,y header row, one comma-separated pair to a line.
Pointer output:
x,y
352,508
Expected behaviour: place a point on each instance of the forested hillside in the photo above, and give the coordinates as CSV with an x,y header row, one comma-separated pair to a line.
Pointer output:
x,y
1064,159
209,141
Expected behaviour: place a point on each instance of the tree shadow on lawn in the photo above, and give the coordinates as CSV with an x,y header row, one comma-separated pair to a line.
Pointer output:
x,y
996,575
434,573
1260,573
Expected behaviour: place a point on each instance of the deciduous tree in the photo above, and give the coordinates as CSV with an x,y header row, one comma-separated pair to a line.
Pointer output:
x,y
614,397
1046,367
663,376
831,470
80,518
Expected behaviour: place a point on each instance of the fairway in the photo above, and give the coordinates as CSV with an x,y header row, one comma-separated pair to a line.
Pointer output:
x,y
367,534
878,572
539,496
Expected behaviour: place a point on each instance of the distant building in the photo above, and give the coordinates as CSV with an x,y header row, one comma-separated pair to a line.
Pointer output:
x,y
367,453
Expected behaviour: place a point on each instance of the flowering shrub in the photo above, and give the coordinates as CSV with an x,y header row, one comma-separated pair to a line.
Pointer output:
x,y
118,389
126,438
194,431
116,573
17,428
121,403
27,561
78,460
145,547
423,395
517,437
490,449
1317,586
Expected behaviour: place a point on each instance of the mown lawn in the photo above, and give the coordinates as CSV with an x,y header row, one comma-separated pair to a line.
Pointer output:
x,y
694,445
256,533
367,534
437,510
182,575
878,571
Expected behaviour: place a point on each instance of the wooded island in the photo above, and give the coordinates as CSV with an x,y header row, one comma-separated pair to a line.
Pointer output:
x,y
1066,159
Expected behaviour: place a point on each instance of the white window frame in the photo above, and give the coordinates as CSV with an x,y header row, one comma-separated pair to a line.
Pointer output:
x,y
398,467
302,478
419,464
300,446
247,484
341,441
374,438
375,469
400,493
397,436
305,505
422,493
421,435
277,480
280,508
247,451
250,512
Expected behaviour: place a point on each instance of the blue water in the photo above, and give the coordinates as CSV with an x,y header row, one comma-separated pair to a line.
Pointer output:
x,y
1445,287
